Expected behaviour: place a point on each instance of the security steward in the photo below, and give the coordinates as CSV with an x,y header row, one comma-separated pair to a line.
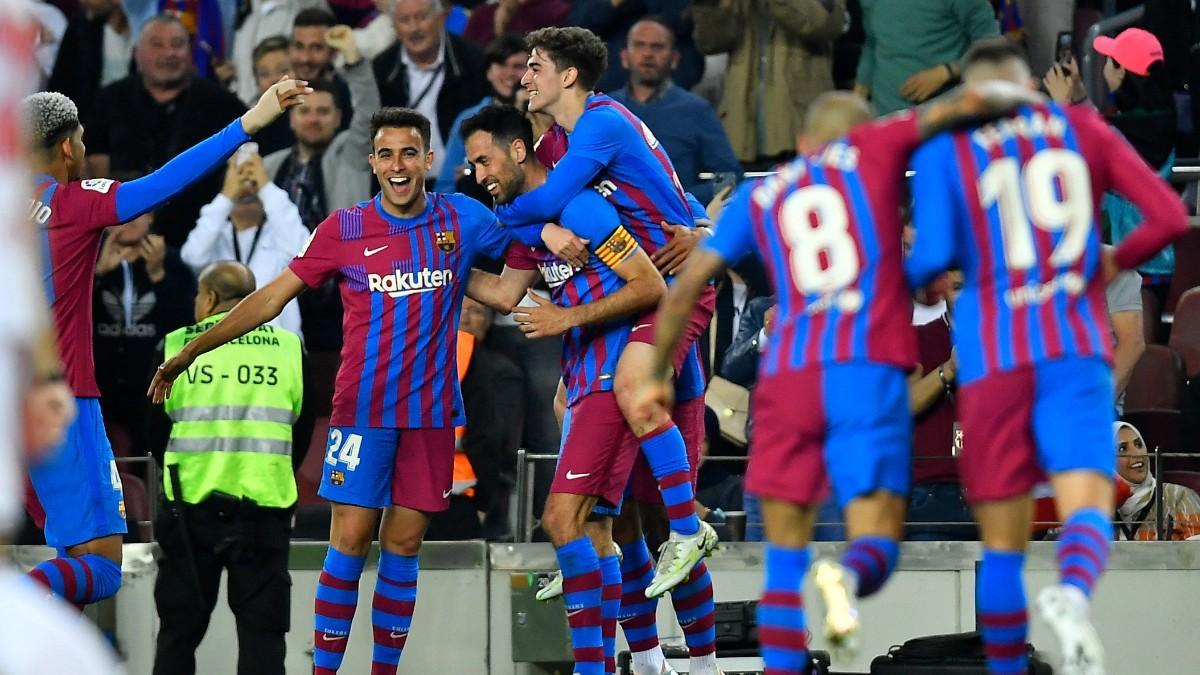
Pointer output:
x,y
229,485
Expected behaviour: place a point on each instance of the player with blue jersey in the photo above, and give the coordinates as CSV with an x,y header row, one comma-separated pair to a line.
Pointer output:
x,y
828,228
1014,204
402,261
612,151
77,485
591,307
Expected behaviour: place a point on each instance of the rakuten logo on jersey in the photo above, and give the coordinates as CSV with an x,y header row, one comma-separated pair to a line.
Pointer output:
x,y
556,273
399,284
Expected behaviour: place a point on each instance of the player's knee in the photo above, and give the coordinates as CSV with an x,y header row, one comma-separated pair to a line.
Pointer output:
x,y
402,543
560,523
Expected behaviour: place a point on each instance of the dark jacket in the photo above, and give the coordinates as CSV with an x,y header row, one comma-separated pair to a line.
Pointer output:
x,y
77,69
464,84
740,364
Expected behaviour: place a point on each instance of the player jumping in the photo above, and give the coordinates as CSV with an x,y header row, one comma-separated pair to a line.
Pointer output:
x,y
1013,203
402,261
77,484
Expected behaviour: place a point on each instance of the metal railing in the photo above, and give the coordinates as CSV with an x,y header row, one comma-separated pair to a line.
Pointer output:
x,y
1184,171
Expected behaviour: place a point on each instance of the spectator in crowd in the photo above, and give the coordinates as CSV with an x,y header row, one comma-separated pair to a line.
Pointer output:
x,y
209,26
780,59
1043,20
650,56
357,13
52,27
913,47
514,16
327,169
264,19
505,57
1137,515
272,61
141,121
100,53
612,19
229,485
253,222
430,70
1124,297
312,56
136,300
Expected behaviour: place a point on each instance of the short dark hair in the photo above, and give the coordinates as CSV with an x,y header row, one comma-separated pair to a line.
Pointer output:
x,y
502,47
572,47
656,19
314,17
275,43
504,122
402,118
993,50
326,85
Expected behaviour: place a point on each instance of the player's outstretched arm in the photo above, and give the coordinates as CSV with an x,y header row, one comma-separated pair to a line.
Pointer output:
x,y
253,311
139,196
963,104
545,203
501,291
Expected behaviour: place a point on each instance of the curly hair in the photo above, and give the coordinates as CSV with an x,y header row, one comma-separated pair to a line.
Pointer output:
x,y
49,117
572,47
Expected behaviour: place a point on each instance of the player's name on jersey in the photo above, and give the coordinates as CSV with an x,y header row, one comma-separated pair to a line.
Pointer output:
x,y
1037,125
838,155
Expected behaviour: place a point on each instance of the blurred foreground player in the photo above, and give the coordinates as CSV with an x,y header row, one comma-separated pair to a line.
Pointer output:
x,y
1014,204
78,484
402,262
828,227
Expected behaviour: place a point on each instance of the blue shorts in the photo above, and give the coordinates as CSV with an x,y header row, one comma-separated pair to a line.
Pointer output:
x,y
78,485
378,467
1022,424
848,420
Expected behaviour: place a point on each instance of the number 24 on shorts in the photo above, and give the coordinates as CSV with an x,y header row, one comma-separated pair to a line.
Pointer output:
x,y
343,448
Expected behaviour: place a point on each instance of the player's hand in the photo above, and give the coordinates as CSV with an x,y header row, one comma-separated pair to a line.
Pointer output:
x,y
683,239
563,243
655,394
341,38
164,377
923,84
284,94
48,410
545,319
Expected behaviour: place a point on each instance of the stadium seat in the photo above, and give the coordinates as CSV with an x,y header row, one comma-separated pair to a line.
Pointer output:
x,y
1152,326
323,367
1188,479
1158,380
1160,428
1187,268
308,477
1185,330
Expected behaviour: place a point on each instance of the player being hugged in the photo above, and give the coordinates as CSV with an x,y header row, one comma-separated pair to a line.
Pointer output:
x,y
77,484
402,261
828,228
1013,203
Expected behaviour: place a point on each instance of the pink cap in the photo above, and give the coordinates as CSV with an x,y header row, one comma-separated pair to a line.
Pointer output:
x,y
1133,49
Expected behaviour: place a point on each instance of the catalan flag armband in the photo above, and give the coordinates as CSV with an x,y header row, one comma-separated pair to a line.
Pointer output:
x,y
617,248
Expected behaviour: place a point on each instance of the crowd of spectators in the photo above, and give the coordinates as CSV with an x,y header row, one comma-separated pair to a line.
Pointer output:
x,y
152,77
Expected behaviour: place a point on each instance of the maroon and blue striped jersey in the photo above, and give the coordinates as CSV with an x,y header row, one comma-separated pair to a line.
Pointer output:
x,y
614,152
402,282
70,219
589,353
828,228
1015,204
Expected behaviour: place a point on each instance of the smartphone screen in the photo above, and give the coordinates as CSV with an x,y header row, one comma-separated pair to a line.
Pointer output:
x,y
1064,48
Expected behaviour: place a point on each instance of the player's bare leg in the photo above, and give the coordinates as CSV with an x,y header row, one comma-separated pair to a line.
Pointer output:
x,y
1084,500
109,547
873,521
665,452
781,627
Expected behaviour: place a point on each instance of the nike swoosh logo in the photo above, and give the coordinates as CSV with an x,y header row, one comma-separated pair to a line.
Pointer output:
x,y
574,613
332,638
573,476
368,252
642,325
396,636
446,493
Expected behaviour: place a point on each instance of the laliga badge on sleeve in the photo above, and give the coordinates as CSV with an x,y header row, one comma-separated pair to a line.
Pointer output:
x,y
101,185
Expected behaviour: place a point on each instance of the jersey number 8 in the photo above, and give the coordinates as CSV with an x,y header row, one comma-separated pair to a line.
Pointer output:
x,y
1057,190
823,205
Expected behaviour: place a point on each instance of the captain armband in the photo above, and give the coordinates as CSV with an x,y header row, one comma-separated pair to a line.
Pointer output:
x,y
617,248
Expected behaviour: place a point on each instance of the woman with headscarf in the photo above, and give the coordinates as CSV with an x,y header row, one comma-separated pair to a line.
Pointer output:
x,y
1137,515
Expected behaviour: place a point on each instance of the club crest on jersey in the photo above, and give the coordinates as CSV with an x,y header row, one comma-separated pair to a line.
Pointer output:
x,y
445,241
337,477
